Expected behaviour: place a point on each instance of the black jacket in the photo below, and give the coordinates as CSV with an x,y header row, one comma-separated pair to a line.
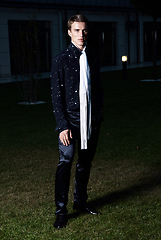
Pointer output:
x,y
65,77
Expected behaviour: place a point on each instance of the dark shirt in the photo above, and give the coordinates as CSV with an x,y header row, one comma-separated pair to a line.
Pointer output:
x,y
65,78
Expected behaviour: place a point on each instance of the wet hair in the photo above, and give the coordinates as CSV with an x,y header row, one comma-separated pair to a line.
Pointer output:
x,y
77,18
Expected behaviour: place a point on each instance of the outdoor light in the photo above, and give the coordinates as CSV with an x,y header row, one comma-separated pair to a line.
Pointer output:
x,y
124,58
124,66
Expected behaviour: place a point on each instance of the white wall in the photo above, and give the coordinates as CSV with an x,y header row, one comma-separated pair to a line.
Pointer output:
x,y
54,17
23,14
4,46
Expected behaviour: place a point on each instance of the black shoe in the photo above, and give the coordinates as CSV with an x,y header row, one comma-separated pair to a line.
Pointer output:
x,y
84,207
60,221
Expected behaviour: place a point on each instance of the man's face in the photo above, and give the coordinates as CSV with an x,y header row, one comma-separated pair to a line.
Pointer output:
x,y
78,34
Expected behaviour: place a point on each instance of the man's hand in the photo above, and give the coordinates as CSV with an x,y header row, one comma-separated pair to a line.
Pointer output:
x,y
65,137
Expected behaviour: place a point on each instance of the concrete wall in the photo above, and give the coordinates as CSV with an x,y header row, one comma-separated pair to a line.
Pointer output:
x,y
23,14
4,46
58,41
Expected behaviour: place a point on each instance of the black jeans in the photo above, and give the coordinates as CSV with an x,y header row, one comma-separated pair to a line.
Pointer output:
x,y
83,166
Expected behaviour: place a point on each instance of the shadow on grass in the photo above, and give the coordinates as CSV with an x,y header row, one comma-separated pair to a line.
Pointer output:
x,y
144,186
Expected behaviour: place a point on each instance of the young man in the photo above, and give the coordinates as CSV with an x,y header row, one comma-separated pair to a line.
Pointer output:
x,y
77,105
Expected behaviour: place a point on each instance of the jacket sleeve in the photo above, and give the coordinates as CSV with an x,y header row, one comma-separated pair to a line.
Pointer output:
x,y
58,95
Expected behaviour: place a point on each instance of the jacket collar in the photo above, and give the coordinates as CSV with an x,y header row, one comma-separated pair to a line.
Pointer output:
x,y
77,52
74,49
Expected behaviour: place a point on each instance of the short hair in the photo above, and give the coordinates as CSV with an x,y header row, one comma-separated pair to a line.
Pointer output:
x,y
77,18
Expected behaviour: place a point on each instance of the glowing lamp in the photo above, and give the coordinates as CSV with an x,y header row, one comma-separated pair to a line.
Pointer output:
x,y
124,58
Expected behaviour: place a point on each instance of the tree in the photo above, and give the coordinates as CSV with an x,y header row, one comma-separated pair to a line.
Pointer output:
x,y
26,55
152,8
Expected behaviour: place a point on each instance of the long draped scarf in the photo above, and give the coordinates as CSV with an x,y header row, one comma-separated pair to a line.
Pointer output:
x,y
85,100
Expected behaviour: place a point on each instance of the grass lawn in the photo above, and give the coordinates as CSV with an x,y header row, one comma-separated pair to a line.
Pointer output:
x,y
125,180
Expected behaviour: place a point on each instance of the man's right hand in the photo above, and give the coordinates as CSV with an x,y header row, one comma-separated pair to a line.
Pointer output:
x,y
65,137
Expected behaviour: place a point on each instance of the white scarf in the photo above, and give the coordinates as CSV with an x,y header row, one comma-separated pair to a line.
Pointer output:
x,y
85,100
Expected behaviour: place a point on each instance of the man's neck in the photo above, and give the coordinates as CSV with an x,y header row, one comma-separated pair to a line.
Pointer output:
x,y
81,49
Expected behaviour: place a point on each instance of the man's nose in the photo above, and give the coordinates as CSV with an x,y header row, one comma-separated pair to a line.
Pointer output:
x,y
82,33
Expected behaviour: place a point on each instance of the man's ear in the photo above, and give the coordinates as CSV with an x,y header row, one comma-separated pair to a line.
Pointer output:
x,y
69,33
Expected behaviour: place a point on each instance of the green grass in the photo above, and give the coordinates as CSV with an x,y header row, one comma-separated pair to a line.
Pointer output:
x,y
125,180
